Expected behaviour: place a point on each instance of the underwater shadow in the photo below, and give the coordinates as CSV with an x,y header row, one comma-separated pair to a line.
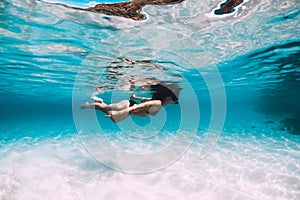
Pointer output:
x,y
282,99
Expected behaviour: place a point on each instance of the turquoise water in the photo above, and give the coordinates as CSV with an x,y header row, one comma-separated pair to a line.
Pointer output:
x,y
239,76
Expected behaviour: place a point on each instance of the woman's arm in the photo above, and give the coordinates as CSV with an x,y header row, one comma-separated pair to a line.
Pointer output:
x,y
146,105
152,107
133,96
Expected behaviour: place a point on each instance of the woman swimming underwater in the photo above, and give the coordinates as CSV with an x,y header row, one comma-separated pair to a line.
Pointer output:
x,y
162,95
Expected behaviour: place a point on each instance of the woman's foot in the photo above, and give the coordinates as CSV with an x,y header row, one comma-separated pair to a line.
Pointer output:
x,y
97,99
85,106
117,116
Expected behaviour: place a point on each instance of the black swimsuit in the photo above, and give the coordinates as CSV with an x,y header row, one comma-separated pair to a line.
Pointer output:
x,y
131,103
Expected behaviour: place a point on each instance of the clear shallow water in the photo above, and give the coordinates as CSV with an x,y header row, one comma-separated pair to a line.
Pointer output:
x,y
256,50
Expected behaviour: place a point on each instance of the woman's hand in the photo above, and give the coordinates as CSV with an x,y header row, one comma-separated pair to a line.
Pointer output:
x,y
133,96
143,99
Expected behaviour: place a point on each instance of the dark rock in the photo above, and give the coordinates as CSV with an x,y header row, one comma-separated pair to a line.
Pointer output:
x,y
130,9
228,7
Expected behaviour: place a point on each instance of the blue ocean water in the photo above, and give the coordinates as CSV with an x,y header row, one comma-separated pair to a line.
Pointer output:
x,y
242,70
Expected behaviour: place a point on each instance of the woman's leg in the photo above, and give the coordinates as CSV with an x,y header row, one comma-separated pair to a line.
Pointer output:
x,y
115,106
99,106
105,108
124,104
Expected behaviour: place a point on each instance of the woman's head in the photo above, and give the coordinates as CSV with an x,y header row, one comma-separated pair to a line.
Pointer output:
x,y
167,93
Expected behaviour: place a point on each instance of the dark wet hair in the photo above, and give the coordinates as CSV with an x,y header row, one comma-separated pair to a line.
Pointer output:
x,y
162,91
